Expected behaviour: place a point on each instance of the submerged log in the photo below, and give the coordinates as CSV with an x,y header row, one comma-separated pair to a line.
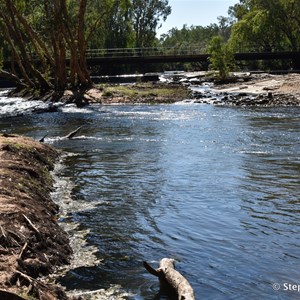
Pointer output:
x,y
68,136
42,140
168,275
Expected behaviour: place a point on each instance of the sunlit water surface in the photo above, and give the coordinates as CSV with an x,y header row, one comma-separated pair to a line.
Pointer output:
x,y
216,188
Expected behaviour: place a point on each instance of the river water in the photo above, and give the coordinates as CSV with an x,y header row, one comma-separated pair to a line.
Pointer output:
x,y
215,188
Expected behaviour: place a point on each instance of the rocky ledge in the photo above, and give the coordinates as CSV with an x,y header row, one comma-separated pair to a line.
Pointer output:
x,y
32,244
241,89
248,89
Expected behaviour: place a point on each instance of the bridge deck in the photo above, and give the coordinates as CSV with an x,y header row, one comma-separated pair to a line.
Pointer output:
x,y
169,55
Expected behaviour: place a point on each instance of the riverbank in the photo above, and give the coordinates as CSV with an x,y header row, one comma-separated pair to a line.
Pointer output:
x,y
32,244
262,90
243,89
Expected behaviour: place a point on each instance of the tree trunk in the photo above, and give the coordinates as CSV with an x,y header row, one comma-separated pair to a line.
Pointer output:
x,y
77,44
168,275
59,47
81,42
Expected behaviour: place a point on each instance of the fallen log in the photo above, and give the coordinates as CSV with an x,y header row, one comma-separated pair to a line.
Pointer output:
x,y
169,276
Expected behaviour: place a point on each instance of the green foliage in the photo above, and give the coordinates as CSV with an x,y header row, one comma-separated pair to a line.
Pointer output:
x,y
266,25
147,15
144,90
221,57
126,23
119,26
196,36
108,23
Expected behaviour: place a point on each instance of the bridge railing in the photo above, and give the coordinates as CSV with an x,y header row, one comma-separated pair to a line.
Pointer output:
x,y
136,52
168,51
160,51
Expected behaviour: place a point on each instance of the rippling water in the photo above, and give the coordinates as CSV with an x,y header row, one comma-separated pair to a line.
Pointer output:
x,y
215,188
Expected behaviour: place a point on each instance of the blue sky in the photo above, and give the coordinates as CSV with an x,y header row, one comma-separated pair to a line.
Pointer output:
x,y
195,12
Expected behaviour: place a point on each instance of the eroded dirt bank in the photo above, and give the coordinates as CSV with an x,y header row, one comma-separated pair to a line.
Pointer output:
x,y
32,243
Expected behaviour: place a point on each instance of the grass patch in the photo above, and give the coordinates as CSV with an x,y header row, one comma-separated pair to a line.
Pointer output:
x,y
146,91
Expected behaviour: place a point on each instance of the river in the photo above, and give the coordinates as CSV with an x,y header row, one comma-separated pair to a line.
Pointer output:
x,y
215,188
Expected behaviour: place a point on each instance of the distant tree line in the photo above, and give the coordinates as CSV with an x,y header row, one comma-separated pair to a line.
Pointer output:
x,y
267,25
251,26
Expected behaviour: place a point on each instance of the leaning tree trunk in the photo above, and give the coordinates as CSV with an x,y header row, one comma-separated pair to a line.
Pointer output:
x,y
17,36
41,82
6,29
76,41
56,51
169,276
81,41
40,47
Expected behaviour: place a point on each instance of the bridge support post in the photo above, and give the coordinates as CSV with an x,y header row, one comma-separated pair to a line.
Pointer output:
x,y
296,63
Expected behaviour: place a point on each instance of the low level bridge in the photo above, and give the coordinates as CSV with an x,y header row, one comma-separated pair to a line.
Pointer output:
x,y
173,55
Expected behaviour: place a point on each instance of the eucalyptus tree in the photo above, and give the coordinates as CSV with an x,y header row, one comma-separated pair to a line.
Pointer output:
x,y
18,34
46,39
147,17
119,25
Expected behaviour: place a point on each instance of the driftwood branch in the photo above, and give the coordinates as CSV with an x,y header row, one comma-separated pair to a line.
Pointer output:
x,y
73,133
10,76
68,136
168,275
